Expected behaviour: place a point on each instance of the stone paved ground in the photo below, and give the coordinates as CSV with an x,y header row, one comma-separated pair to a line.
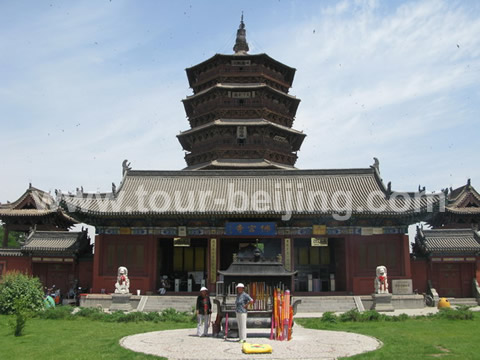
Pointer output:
x,y
306,345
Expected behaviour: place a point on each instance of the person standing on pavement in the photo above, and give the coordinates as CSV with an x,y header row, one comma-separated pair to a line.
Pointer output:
x,y
241,303
204,309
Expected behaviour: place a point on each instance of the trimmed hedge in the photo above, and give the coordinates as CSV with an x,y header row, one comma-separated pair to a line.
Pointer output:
x,y
461,313
65,312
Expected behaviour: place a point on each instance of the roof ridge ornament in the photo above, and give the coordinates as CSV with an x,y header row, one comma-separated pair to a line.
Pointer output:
x,y
376,164
125,167
241,45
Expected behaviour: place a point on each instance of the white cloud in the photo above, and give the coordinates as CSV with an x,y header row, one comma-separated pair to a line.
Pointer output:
x,y
379,83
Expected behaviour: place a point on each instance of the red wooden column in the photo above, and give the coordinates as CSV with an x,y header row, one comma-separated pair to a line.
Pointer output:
x,y
154,264
407,268
477,269
348,263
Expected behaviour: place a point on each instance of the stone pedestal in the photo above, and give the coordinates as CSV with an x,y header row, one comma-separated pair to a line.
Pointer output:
x,y
382,302
121,302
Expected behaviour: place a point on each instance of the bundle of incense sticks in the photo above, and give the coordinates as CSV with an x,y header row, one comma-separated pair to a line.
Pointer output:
x,y
282,315
261,293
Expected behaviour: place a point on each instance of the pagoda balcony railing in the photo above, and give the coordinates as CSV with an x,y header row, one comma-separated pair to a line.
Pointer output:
x,y
196,158
227,143
226,103
252,70
264,113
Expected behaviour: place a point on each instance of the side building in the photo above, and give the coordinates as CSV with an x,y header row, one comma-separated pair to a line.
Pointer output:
x,y
49,251
447,257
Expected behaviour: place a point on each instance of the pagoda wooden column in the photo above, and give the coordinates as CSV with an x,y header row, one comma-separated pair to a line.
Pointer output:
x,y
5,236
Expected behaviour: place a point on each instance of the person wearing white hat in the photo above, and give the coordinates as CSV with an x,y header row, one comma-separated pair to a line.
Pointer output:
x,y
241,303
204,309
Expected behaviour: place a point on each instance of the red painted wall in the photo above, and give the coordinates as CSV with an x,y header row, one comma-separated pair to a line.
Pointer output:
x,y
85,273
419,268
19,263
141,279
365,253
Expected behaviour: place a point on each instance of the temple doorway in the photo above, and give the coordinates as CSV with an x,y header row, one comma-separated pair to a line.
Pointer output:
x,y
270,247
181,264
320,268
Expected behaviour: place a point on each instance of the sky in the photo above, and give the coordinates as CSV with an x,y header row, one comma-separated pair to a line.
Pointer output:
x,y
87,84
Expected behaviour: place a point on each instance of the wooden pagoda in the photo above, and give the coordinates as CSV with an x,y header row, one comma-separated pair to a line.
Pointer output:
x,y
240,113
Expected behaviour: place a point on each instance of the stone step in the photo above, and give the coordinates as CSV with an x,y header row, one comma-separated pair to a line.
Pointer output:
x,y
179,303
463,301
325,303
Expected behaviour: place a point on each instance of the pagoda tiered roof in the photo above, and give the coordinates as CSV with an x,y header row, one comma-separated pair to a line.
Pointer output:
x,y
296,140
222,59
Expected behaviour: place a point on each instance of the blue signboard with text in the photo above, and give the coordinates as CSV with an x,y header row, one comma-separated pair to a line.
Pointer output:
x,y
251,228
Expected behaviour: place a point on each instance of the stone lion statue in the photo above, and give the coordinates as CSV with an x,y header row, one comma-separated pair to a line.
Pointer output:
x,y
381,280
123,283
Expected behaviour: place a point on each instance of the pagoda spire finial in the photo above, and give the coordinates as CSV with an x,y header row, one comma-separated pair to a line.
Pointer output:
x,y
241,45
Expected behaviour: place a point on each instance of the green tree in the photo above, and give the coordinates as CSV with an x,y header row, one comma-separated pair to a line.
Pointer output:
x,y
17,289
14,237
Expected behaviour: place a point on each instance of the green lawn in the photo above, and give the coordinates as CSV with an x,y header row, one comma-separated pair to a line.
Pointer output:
x,y
74,339
83,338
414,338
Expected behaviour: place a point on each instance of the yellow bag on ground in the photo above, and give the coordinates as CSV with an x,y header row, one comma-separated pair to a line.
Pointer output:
x,y
256,348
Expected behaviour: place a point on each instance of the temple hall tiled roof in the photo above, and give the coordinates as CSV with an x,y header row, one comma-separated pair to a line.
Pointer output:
x,y
449,241
38,198
62,242
35,203
219,192
464,200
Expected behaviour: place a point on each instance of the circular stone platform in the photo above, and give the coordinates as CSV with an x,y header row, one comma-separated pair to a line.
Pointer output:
x,y
306,344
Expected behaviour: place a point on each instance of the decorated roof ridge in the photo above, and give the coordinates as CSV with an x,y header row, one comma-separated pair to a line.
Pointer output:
x,y
239,86
247,173
237,122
